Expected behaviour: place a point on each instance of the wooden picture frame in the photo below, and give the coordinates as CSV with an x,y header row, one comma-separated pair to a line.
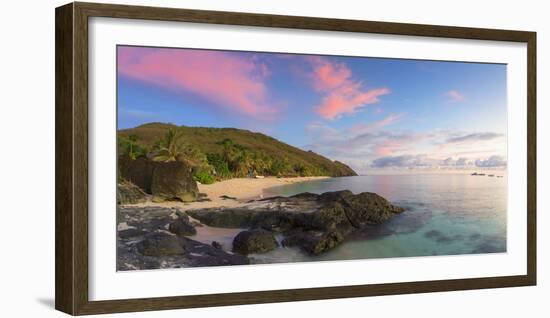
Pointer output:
x,y
71,90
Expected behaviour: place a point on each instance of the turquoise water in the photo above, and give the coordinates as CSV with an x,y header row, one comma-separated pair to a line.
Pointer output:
x,y
446,214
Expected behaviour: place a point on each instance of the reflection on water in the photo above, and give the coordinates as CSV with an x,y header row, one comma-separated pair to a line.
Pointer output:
x,y
223,236
445,214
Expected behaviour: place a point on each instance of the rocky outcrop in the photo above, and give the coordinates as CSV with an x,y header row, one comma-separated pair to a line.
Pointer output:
x,y
161,237
254,241
315,223
155,237
182,226
129,193
173,181
138,171
166,181
364,208
341,210
160,244
314,242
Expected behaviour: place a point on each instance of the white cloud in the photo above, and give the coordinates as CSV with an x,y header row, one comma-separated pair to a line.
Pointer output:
x,y
491,162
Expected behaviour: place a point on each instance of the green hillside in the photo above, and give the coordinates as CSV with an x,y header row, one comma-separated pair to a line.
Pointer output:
x,y
227,152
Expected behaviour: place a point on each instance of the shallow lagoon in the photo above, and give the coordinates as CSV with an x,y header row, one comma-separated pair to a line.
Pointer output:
x,y
446,214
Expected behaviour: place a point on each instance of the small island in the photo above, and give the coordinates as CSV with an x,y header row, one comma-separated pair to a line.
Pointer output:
x,y
177,185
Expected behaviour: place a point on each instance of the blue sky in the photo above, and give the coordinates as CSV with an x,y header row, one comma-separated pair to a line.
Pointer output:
x,y
371,113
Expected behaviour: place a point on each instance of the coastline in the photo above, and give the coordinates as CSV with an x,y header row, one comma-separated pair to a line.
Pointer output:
x,y
241,189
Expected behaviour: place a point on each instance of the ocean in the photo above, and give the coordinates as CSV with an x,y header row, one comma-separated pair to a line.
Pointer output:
x,y
446,214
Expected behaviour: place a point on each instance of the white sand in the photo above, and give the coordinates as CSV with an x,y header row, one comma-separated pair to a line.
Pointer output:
x,y
243,189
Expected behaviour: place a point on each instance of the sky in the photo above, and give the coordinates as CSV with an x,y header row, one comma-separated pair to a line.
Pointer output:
x,y
374,114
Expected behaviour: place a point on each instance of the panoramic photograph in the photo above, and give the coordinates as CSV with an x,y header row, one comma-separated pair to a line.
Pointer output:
x,y
248,158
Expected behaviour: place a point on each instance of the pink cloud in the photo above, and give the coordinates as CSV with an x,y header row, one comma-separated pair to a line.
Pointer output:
x,y
391,146
228,80
389,120
341,94
388,147
454,96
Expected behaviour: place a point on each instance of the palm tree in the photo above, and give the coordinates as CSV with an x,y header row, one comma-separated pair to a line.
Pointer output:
x,y
171,148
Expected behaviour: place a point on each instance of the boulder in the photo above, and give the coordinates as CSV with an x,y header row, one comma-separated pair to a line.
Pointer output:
x,y
160,244
368,208
130,233
138,171
129,193
182,226
149,219
173,181
254,241
202,254
314,242
164,180
225,217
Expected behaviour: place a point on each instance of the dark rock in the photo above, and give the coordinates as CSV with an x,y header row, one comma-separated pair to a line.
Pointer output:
x,y
474,236
341,210
130,233
156,248
129,193
364,208
147,219
160,244
164,180
314,242
138,171
324,220
442,238
217,245
254,241
173,181
224,217
201,254
182,226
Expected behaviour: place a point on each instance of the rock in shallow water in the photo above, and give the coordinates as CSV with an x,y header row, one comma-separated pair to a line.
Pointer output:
x,y
254,241
201,254
340,210
182,227
315,223
314,242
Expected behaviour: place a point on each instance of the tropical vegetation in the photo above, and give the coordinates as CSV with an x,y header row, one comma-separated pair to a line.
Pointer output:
x,y
222,153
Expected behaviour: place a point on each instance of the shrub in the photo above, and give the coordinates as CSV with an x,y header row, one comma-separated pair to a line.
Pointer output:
x,y
130,147
221,167
280,167
203,177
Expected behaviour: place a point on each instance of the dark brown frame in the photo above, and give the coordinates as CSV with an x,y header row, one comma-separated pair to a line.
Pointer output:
x,y
71,125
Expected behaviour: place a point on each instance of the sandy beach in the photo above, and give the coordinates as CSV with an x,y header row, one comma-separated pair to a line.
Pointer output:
x,y
242,189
